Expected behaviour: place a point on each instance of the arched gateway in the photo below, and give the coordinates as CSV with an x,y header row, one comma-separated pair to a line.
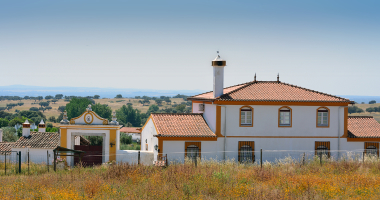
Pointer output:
x,y
91,124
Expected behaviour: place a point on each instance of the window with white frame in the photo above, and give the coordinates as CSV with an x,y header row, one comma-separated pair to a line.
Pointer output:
x,y
285,117
246,116
323,117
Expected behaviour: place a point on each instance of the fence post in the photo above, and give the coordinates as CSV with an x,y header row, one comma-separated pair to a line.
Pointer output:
x,y
5,163
28,162
138,158
166,160
196,161
303,161
261,158
19,162
363,157
55,159
47,158
320,158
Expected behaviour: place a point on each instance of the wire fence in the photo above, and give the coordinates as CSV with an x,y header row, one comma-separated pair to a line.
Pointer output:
x,y
12,162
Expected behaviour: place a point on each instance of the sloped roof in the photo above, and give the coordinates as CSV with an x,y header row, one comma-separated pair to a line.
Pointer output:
x,y
181,125
45,140
130,130
363,127
270,91
6,146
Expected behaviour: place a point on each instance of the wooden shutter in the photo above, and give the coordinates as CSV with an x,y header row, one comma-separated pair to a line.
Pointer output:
x,y
248,143
376,144
326,144
198,144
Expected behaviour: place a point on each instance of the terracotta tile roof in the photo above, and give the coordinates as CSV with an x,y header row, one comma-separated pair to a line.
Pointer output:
x,y
45,140
181,125
363,127
271,91
6,146
130,130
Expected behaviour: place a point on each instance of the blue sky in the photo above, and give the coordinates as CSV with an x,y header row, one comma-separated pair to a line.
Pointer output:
x,y
324,45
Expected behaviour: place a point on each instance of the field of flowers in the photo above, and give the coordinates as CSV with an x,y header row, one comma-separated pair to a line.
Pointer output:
x,y
209,180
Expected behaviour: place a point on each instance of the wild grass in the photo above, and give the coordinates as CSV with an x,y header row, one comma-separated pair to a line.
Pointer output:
x,y
287,179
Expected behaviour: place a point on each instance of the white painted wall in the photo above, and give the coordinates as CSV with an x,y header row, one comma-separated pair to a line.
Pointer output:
x,y
131,157
36,155
1,135
218,73
210,116
147,138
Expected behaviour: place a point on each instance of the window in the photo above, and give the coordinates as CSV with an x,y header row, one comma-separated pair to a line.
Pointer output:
x,y
146,147
322,148
371,148
192,149
246,152
246,116
323,117
285,117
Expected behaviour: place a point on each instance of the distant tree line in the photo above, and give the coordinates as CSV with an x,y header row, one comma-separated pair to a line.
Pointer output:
x,y
354,109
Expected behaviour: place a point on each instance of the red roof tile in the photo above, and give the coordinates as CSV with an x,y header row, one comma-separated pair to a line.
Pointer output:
x,y
6,146
363,127
181,125
270,91
45,140
130,130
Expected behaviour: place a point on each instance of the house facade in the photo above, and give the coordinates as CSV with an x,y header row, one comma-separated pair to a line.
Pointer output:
x,y
268,115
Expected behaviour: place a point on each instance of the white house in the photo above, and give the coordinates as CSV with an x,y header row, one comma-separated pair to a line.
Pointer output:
x,y
237,121
135,132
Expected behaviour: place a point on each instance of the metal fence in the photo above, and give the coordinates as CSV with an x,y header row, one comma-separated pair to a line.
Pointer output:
x,y
12,162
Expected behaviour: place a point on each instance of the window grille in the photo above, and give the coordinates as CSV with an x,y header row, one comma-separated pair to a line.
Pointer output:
x,y
192,149
322,148
371,148
246,152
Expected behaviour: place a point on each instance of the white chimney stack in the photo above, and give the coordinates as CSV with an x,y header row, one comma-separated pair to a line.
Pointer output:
x,y
26,129
218,65
1,135
42,126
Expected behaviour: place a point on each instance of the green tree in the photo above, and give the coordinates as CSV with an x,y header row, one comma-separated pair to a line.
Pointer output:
x,y
49,97
369,109
146,101
9,134
372,102
102,110
62,108
118,96
127,114
52,119
181,108
3,122
40,98
48,108
15,121
125,139
77,106
26,97
44,104
96,96
33,109
158,101
54,100
58,96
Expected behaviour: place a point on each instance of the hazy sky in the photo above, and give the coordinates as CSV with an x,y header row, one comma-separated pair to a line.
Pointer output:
x,y
332,46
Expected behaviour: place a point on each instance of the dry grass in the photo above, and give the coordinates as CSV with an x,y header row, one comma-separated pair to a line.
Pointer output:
x,y
210,180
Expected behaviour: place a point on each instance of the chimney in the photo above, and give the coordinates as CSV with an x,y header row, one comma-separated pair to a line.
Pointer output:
x,y
26,129
1,135
218,64
41,126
